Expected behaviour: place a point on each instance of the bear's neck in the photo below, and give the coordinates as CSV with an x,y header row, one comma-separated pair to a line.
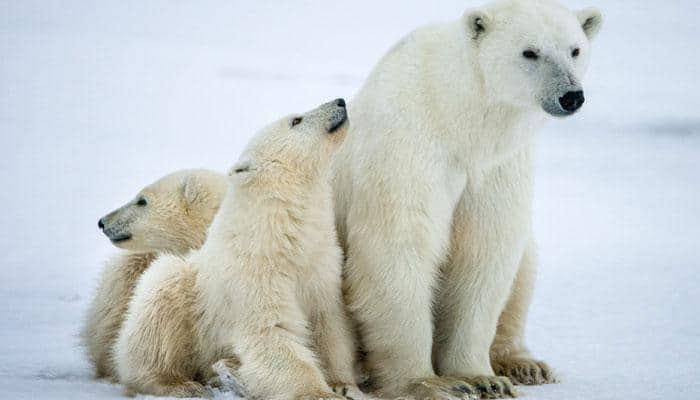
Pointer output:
x,y
486,131
451,97
269,221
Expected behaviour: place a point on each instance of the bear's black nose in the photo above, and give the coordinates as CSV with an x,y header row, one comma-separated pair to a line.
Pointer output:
x,y
572,101
340,102
100,224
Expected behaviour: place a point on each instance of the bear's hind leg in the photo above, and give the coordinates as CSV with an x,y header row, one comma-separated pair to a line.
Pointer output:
x,y
509,356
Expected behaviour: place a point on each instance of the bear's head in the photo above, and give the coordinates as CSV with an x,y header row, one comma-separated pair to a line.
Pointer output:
x,y
533,54
171,215
295,152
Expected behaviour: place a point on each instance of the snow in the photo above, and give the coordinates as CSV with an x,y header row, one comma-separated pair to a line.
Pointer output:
x,y
99,98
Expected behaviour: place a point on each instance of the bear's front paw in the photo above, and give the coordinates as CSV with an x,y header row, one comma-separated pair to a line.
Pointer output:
x,y
442,388
524,370
492,387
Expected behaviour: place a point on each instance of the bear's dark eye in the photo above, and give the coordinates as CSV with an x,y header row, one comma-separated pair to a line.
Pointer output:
x,y
575,52
141,202
296,121
530,55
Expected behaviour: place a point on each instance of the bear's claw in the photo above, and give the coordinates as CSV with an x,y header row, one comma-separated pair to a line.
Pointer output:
x,y
443,388
493,387
524,370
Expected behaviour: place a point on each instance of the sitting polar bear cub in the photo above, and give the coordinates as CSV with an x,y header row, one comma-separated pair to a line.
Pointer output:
x,y
171,215
265,288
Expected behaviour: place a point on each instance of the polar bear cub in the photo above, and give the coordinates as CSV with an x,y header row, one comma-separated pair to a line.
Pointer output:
x,y
171,215
265,288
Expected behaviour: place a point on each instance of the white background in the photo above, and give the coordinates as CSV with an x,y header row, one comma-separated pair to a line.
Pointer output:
x,y
98,99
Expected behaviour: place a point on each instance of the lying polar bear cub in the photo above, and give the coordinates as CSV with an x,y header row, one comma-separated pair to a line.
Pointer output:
x,y
171,215
265,287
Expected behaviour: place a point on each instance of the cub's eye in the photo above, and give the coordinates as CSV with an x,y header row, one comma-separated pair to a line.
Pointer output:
x,y
530,55
296,121
141,202
575,52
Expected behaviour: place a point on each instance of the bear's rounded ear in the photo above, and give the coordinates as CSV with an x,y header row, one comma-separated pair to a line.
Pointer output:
x,y
191,189
476,22
242,170
591,20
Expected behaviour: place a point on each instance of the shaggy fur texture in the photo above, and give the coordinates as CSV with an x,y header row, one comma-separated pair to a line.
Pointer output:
x,y
264,290
178,210
433,196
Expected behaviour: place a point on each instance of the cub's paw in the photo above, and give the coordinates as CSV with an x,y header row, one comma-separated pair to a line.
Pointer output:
x,y
319,395
224,377
492,387
348,391
524,370
442,388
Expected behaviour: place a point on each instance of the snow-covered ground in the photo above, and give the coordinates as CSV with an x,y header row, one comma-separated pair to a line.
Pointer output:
x,y
99,98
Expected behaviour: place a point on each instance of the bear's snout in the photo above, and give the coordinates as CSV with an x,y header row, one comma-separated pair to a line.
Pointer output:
x,y
572,101
338,116
114,228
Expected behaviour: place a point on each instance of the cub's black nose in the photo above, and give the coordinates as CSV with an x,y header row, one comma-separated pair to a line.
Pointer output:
x,y
100,224
340,102
572,101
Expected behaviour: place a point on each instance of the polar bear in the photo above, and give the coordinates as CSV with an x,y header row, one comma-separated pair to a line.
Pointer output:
x,y
433,193
172,216
264,289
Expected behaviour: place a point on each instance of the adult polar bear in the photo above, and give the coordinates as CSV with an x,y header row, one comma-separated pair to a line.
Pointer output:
x,y
433,195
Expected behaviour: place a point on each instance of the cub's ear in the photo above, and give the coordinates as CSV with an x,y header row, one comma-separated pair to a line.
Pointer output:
x,y
192,189
242,171
591,20
477,22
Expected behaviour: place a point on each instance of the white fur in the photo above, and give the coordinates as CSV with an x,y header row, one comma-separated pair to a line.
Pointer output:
x,y
175,219
433,191
264,292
